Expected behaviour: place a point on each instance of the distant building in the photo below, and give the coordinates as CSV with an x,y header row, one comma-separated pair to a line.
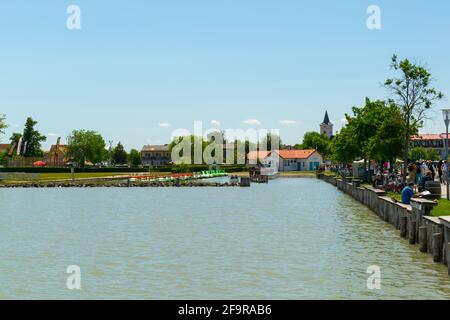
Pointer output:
x,y
430,141
5,147
326,127
289,160
56,157
156,155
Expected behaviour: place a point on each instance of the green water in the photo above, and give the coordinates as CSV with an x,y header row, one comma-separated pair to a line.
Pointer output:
x,y
290,239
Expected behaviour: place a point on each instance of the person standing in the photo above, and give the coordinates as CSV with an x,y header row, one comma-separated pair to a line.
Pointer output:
x,y
444,171
440,171
431,169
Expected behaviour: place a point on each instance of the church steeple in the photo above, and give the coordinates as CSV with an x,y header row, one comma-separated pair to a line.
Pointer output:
x,y
326,120
326,127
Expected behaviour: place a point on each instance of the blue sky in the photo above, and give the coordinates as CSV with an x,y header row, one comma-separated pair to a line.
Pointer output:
x,y
137,64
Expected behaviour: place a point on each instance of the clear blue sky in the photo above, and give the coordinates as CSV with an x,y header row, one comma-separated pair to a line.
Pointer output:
x,y
137,64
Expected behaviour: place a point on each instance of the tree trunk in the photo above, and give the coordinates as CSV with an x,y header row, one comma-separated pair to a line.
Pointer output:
x,y
406,151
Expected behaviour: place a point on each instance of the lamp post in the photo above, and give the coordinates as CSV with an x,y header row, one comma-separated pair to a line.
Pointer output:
x,y
446,114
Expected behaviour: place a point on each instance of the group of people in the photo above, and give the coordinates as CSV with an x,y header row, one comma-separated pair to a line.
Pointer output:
x,y
420,172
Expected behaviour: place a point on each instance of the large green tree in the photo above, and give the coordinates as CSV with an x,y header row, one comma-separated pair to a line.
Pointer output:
x,y
412,91
85,145
317,141
119,155
375,131
32,139
421,153
135,158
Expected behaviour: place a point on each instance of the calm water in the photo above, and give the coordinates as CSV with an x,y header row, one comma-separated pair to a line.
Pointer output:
x,y
291,239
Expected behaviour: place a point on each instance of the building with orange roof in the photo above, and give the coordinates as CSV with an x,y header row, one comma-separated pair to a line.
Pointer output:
x,y
4,147
288,160
430,141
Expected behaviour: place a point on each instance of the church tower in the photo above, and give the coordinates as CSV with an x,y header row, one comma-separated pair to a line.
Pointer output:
x,y
326,127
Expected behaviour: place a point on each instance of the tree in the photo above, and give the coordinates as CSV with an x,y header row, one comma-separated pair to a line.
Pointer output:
x,y
85,146
344,148
3,124
413,93
119,155
267,141
32,140
375,131
14,140
190,142
317,141
135,158
420,153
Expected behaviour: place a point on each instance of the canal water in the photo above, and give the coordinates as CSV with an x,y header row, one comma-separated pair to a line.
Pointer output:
x,y
290,239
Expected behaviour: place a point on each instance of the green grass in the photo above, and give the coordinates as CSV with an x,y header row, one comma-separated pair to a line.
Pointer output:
x,y
442,209
298,173
48,177
83,175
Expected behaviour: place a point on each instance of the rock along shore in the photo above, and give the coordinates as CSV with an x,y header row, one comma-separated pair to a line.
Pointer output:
x,y
115,184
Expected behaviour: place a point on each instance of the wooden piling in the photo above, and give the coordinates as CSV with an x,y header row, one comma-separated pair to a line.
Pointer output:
x,y
412,232
448,258
403,229
245,182
423,239
437,249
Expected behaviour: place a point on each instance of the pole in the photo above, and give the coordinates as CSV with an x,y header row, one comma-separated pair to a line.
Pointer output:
x,y
446,159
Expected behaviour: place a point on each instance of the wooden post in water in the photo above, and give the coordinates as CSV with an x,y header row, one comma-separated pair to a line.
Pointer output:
x,y
403,221
437,250
448,258
245,182
423,239
412,232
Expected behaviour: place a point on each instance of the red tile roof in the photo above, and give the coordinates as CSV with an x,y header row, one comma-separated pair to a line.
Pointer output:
x,y
296,154
255,155
4,147
428,136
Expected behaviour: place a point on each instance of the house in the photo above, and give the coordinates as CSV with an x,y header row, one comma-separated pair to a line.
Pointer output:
x,y
430,141
4,147
56,157
156,155
253,157
288,160
299,160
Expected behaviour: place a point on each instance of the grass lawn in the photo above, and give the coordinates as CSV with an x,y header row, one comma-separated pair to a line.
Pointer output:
x,y
298,173
442,209
66,176
84,175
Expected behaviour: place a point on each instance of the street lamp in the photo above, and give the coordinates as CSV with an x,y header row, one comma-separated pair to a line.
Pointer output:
x,y
446,114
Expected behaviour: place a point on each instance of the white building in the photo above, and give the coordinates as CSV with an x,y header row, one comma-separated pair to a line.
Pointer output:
x,y
288,160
